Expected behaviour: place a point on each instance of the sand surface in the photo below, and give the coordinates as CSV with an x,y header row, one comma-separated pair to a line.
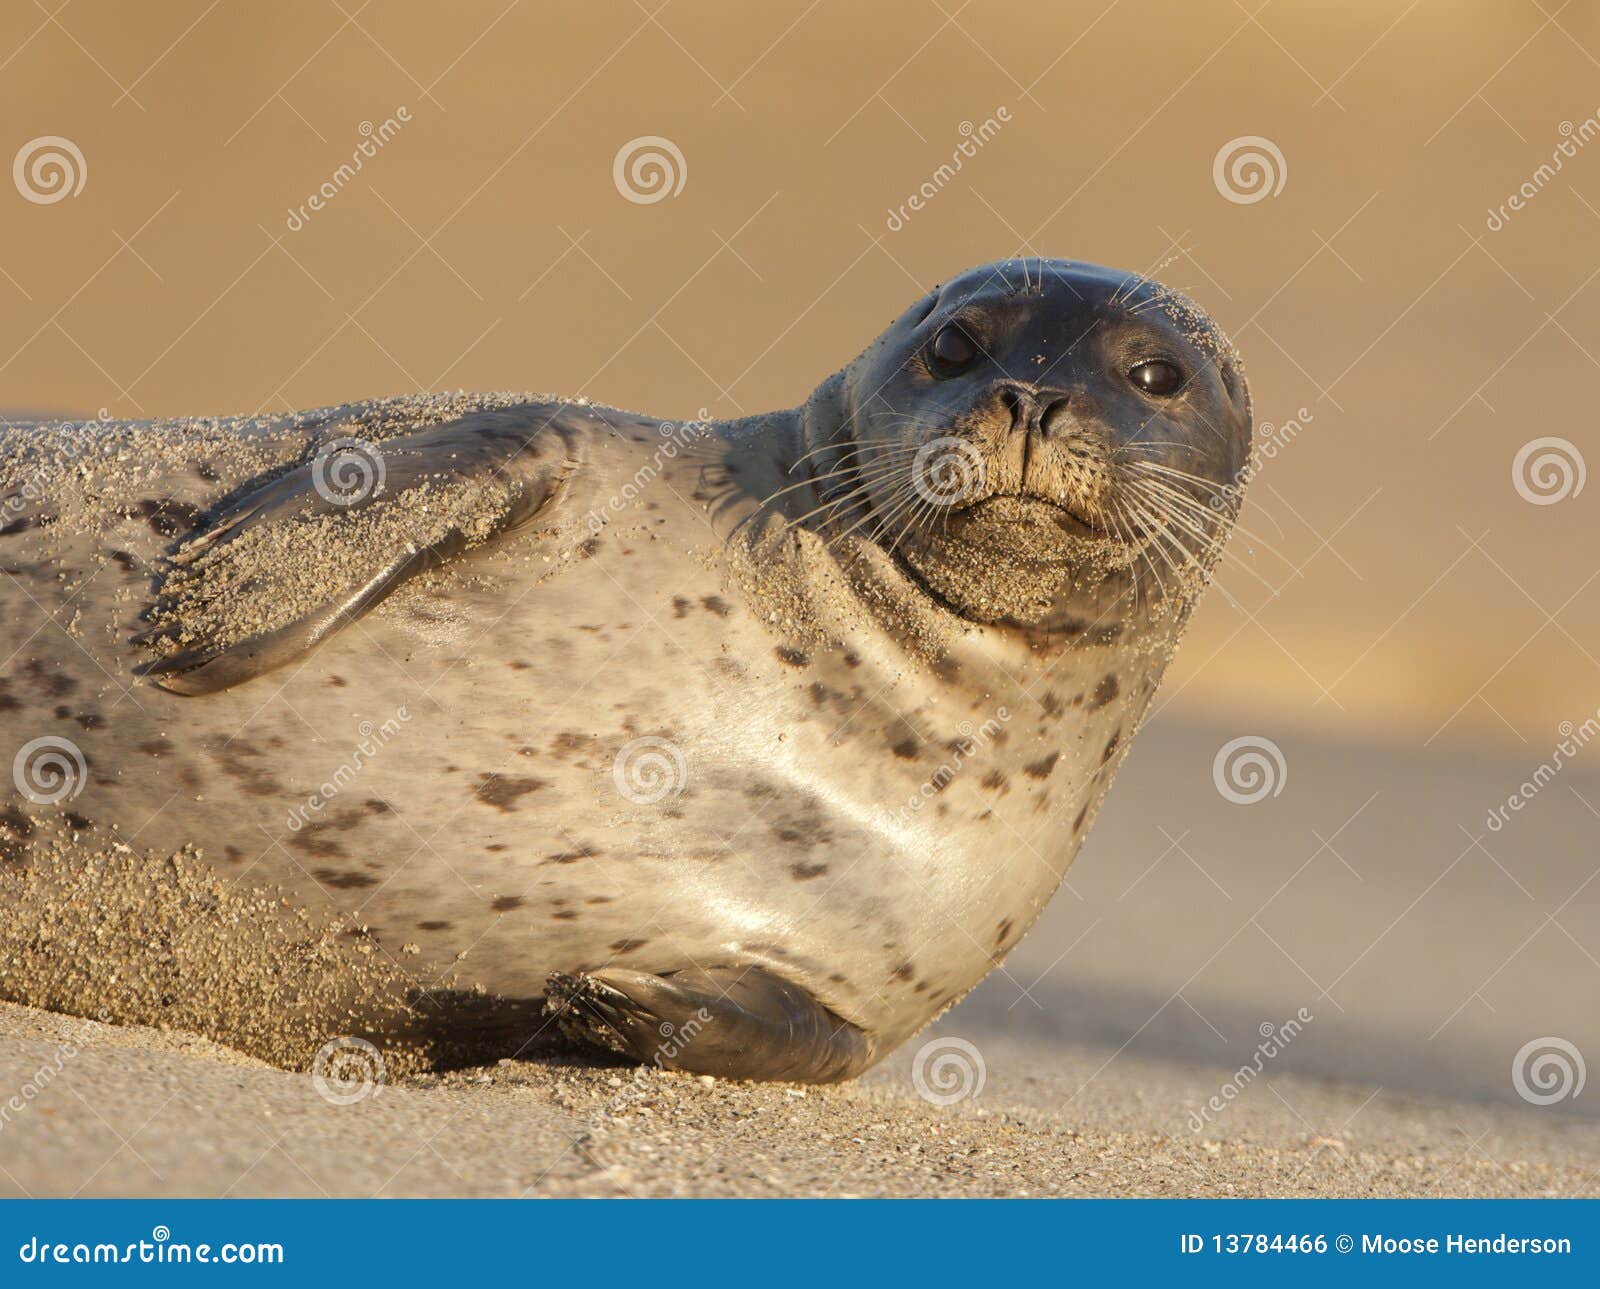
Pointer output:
x,y
130,1111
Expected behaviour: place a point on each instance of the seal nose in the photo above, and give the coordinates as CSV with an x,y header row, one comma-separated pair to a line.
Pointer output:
x,y
1033,409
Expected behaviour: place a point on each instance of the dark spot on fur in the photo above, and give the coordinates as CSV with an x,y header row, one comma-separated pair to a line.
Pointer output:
x,y
494,848
1052,704
77,822
344,881
125,559
167,518
205,473
792,657
154,747
433,926
375,806
838,979
598,899
565,744
589,548
564,915
851,658
503,791
1111,746
338,682
312,841
1104,692
572,856
805,872
505,903
1041,768
627,946
716,604
905,971
1002,931
54,683
906,749
1077,824
995,781
681,606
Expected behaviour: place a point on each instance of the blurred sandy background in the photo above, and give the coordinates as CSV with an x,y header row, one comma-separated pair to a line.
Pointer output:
x,y
1404,625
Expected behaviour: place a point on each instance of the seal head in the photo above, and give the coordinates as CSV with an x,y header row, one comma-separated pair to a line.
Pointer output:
x,y
1037,439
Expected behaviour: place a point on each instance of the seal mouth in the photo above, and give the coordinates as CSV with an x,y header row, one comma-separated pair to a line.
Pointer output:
x,y
1030,508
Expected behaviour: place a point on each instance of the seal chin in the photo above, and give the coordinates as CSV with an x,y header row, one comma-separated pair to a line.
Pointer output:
x,y
1036,512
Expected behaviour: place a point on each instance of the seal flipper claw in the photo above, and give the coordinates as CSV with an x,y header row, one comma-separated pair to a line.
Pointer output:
x,y
735,1022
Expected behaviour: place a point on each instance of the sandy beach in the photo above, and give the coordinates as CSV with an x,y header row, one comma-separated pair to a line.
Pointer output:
x,y
140,1112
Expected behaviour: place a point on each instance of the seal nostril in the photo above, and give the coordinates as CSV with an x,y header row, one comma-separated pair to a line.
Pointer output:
x,y
1012,402
1054,414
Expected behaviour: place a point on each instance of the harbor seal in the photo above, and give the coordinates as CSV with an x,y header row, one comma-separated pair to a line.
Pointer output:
x,y
748,746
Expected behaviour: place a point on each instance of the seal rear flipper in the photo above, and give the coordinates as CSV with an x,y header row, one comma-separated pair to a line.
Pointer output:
x,y
286,565
734,1022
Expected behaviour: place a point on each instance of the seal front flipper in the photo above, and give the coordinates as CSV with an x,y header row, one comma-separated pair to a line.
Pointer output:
x,y
735,1022
286,565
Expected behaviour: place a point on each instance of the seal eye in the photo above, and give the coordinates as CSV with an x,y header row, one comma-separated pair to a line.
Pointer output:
x,y
1156,377
953,350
